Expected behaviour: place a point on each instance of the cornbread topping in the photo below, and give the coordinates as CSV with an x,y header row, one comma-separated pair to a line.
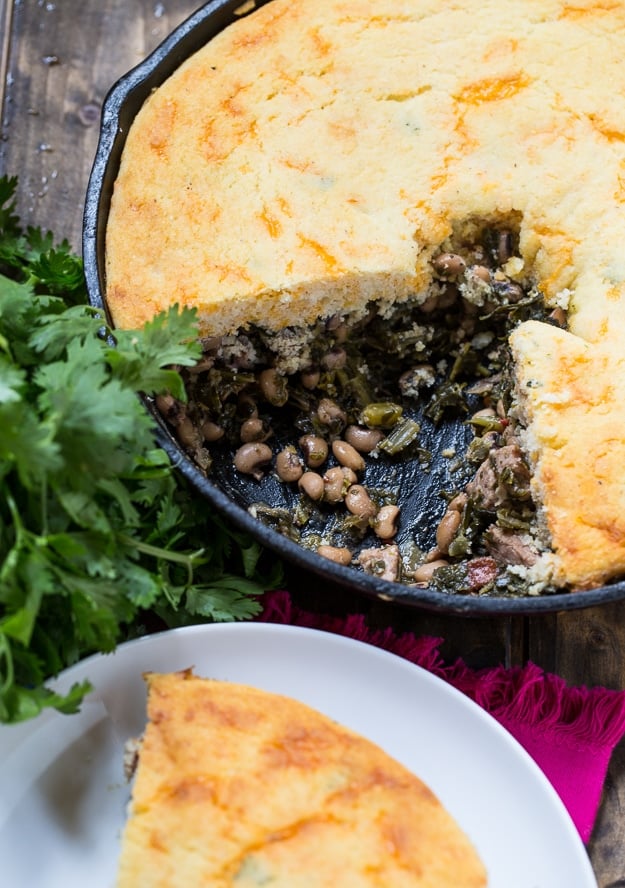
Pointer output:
x,y
236,786
316,159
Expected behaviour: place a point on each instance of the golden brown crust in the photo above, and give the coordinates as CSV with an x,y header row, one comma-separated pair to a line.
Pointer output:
x,y
573,396
266,184
263,184
236,785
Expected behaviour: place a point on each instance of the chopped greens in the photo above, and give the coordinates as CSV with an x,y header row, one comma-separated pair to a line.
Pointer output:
x,y
390,394
99,538
405,434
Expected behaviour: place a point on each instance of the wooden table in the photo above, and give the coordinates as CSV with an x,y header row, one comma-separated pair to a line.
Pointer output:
x,y
58,59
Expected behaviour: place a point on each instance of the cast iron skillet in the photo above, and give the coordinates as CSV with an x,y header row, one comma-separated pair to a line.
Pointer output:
x,y
227,491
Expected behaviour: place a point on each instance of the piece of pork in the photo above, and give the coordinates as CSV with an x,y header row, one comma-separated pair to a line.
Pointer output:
x,y
510,547
382,562
504,475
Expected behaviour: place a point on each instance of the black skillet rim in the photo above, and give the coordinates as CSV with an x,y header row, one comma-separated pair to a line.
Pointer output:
x,y
119,107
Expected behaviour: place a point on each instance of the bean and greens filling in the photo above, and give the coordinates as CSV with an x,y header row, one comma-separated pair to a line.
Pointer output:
x,y
333,415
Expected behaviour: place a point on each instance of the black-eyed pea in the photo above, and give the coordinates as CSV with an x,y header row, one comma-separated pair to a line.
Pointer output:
x,y
333,323
252,430
252,458
481,272
508,291
425,572
312,485
187,433
449,264
310,377
338,554
337,482
385,525
359,503
504,247
446,530
289,466
331,414
211,431
335,359
458,503
166,405
273,387
315,450
341,333
347,455
362,439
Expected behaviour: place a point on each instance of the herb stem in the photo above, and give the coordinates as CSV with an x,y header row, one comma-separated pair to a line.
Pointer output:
x,y
187,560
44,507
6,658
12,554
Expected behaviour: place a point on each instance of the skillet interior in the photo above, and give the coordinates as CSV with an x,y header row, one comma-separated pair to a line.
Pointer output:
x,y
227,490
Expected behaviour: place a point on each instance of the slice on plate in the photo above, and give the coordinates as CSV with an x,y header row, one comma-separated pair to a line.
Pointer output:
x,y
236,786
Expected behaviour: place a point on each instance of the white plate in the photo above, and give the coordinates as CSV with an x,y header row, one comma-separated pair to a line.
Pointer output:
x,y
63,796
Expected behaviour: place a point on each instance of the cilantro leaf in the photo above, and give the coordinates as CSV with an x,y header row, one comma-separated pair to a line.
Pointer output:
x,y
59,271
140,358
100,538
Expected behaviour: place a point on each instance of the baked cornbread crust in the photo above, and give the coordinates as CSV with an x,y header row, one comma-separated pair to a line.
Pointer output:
x,y
237,786
311,156
572,394
314,156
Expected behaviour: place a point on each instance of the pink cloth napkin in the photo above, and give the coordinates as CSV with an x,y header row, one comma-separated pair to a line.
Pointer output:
x,y
570,732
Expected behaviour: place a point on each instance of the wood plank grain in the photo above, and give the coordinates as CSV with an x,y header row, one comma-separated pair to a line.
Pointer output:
x,y
6,16
480,642
607,845
64,58
586,648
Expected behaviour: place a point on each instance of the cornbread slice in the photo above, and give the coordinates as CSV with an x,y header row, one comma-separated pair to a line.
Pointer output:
x,y
572,394
239,787
313,157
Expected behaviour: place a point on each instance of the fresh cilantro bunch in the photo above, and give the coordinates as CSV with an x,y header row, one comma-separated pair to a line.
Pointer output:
x,y
100,540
